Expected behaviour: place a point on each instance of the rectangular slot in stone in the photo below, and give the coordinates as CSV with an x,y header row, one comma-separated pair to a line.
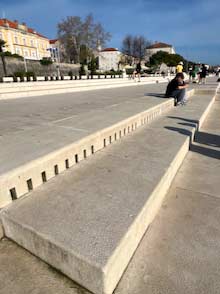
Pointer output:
x,y
30,185
56,169
67,163
44,177
84,153
13,194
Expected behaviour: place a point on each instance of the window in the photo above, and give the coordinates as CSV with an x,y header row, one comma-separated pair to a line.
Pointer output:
x,y
17,50
32,43
24,41
16,40
33,54
1,35
26,53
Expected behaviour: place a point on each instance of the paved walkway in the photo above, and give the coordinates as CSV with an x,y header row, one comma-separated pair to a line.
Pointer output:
x,y
41,124
180,251
34,126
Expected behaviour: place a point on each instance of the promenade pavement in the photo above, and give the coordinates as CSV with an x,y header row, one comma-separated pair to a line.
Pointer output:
x,y
173,128
32,127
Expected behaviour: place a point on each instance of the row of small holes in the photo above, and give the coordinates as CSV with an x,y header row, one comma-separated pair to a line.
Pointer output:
x,y
13,192
132,128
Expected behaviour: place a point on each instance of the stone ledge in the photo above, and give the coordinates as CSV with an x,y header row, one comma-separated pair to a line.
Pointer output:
x,y
89,222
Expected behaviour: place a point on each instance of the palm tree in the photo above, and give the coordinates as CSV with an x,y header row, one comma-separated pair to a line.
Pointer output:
x,y
2,45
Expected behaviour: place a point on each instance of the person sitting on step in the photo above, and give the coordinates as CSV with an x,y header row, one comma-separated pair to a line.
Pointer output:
x,y
177,89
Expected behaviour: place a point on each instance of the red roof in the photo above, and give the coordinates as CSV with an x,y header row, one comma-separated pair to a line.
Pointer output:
x,y
109,50
159,45
14,25
53,41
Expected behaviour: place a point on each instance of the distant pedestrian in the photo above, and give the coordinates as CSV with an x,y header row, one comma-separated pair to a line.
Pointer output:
x,y
137,71
203,74
179,67
177,89
190,74
195,72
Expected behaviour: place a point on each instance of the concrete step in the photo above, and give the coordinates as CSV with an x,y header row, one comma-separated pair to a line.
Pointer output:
x,y
39,154
88,222
27,90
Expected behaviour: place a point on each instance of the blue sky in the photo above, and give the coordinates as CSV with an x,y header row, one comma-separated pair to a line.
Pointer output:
x,y
192,26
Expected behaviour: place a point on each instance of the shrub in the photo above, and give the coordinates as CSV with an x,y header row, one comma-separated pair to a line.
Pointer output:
x,y
82,70
19,74
9,54
46,61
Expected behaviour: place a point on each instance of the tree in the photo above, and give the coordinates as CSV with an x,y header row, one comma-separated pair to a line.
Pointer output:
x,y
75,34
127,48
93,65
2,45
46,62
139,47
134,46
164,57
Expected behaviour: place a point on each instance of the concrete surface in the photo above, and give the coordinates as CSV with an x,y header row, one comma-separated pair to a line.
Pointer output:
x,y
23,273
167,260
37,135
1,231
41,89
180,251
62,223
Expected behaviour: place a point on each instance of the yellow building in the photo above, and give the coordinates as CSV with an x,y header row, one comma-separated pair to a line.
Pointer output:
x,y
23,40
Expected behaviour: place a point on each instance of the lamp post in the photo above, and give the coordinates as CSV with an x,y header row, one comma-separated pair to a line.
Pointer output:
x,y
25,65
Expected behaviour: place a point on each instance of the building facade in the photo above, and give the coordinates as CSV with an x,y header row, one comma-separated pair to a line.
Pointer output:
x,y
23,40
156,47
55,50
109,58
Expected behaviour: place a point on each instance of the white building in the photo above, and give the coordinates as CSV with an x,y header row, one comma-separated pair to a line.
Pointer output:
x,y
55,50
109,58
156,47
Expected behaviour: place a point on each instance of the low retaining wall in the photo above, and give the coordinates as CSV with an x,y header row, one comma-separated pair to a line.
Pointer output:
x,y
18,65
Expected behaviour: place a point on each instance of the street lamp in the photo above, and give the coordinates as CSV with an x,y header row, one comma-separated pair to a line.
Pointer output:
x,y
25,64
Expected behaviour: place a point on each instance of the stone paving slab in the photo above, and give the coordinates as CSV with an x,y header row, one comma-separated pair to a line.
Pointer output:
x,y
180,252
89,221
40,144
27,90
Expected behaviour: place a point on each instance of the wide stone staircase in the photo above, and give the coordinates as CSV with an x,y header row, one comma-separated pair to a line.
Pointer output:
x,y
85,207
41,88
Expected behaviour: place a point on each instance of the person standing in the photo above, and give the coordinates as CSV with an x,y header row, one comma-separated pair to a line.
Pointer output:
x,y
179,67
195,73
190,74
177,89
203,74
138,71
